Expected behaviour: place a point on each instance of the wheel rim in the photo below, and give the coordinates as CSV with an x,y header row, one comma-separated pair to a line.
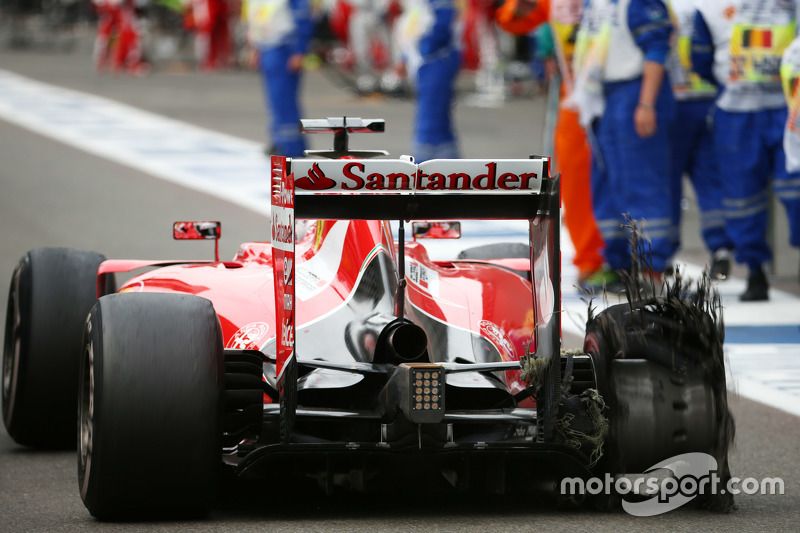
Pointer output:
x,y
86,414
11,349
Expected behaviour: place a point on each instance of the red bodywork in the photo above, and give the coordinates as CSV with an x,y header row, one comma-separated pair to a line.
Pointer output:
x,y
478,297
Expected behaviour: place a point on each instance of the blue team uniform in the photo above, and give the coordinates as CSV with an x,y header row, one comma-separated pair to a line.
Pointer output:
x,y
693,151
440,61
282,86
749,122
631,174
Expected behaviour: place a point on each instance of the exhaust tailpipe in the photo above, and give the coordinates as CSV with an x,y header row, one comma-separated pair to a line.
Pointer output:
x,y
402,342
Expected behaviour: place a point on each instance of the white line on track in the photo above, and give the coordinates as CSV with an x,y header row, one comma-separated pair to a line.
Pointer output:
x,y
236,170
175,151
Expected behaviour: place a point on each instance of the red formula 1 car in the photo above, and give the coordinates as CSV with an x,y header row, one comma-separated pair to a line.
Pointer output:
x,y
342,354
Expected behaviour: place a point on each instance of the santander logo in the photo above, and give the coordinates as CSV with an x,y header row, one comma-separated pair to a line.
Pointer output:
x,y
282,226
316,180
438,176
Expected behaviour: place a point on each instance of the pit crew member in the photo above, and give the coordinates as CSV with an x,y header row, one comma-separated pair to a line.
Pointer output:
x,y
628,105
279,32
739,44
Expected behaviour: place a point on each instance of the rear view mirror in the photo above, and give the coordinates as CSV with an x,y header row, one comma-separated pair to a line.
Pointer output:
x,y
194,230
436,230
198,230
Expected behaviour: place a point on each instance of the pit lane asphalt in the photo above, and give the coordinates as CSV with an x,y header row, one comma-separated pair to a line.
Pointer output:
x,y
54,195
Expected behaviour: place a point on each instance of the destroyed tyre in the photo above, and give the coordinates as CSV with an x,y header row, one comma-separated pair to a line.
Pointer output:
x,y
659,366
51,292
150,405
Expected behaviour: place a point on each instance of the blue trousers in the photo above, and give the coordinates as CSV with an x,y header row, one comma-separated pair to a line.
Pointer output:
x,y
281,94
434,136
750,150
693,154
631,176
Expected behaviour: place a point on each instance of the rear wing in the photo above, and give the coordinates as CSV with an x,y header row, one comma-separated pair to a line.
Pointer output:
x,y
399,189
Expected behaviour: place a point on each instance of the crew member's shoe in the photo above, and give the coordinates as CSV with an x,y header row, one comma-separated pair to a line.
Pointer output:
x,y
720,264
601,279
757,287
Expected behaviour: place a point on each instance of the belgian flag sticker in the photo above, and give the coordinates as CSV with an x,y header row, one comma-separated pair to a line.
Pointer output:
x,y
757,38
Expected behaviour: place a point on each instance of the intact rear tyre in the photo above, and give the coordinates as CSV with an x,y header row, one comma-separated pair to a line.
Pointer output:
x,y
51,293
151,388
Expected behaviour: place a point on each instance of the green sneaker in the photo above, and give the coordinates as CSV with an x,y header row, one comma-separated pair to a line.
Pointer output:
x,y
600,280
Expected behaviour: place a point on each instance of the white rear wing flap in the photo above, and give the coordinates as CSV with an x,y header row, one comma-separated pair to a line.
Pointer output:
x,y
399,189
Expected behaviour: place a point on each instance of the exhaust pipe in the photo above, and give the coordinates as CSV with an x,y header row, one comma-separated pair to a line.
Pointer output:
x,y
401,342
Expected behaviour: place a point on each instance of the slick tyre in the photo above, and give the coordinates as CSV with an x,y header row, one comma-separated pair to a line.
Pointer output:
x,y
150,406
51,293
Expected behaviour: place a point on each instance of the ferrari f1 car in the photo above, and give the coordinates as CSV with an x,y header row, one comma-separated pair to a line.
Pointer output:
x,y
342,354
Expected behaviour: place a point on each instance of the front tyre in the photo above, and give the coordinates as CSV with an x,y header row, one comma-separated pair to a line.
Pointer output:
x,y
151,382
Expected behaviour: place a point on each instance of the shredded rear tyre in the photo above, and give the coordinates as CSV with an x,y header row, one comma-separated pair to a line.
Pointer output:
x,y
659,364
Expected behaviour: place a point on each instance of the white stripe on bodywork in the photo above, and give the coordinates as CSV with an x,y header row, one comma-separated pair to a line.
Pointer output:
x,y
315,275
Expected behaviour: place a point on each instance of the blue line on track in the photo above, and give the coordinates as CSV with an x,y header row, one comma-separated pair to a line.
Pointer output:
x,y
762,334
